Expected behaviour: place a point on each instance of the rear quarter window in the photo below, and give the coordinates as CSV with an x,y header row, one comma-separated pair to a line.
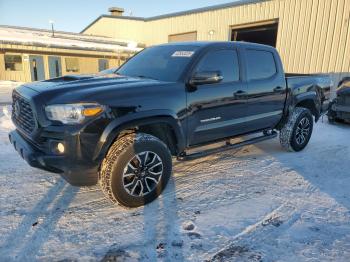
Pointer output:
x,y
260,64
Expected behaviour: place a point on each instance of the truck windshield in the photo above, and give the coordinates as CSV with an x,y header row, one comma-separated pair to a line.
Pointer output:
x,y
165,63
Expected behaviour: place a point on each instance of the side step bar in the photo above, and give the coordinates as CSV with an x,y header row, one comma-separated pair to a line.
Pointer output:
x,y
227,146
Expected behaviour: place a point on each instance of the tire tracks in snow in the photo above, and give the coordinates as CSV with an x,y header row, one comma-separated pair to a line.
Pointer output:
x,y
258,231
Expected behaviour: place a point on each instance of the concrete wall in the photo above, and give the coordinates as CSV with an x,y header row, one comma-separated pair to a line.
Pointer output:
x,y
313,36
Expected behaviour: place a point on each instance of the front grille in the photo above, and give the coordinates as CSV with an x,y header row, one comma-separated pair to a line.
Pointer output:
x,y
22,113
343,100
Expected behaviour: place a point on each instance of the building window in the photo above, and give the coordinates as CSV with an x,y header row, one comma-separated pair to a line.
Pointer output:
x,y
13,63
122,60
72,64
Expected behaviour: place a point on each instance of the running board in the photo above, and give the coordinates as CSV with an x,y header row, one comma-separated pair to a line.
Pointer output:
x,y
227,146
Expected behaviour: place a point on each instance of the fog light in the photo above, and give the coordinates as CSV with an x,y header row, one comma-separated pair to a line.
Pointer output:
x,y
60,148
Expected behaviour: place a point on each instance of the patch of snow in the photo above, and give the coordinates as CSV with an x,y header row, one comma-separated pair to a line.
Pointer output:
x,y
6,88
35,37
258,203
5,119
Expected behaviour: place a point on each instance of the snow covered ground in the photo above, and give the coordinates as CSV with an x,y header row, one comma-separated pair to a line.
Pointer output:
x,y
258,203
6,88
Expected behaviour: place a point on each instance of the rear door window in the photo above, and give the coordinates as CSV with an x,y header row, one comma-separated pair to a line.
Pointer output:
x,y
260,64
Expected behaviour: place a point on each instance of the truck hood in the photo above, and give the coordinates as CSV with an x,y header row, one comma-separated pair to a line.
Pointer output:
x,y
115,91
88,88
344,89
73,83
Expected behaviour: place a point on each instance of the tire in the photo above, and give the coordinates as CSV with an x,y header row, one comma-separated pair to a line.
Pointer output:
x,y
136,170
296,133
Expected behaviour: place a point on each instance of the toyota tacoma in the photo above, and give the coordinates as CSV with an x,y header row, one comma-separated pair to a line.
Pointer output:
x,y
121,128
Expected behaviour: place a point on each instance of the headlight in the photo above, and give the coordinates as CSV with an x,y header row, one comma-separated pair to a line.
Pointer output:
x,y
72,113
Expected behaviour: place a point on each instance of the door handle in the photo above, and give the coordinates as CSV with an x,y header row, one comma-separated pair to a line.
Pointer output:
x,y
240,94
278,89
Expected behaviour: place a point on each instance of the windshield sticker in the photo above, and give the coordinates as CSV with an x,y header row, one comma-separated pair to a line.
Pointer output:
x,y
183,54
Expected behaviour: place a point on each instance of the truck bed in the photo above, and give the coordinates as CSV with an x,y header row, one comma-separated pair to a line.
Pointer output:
x,y
299,83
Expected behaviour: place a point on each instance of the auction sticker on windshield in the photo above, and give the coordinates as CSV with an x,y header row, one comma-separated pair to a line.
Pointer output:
x,y
183,54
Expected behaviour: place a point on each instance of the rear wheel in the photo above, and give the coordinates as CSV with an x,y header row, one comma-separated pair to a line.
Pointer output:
x,y
135,170
296,133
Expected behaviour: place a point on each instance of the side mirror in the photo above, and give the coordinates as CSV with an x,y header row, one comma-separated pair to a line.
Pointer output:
x,y
206,77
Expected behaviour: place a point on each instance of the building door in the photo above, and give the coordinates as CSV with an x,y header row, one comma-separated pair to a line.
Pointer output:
x,y
55,68
37,68
102,64
262,34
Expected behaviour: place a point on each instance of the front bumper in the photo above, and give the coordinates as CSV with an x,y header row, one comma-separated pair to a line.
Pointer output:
x,y
339,111
77,172
341,108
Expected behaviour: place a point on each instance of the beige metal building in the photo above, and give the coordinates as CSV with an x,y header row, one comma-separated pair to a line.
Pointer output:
x,y
312,36
28,54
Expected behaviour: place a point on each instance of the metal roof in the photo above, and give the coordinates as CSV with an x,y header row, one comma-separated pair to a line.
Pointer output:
x,y
187,12
83,37
66,40
217,43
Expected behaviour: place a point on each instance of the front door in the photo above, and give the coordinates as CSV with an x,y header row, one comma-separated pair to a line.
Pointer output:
x,y
214,110
37,68
55,68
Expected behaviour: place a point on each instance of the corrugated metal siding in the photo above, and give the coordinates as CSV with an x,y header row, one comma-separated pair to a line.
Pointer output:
x,y
124,29
314,35
186,37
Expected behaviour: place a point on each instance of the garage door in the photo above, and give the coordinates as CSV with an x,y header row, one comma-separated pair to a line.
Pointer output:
x,y
262,34
185,37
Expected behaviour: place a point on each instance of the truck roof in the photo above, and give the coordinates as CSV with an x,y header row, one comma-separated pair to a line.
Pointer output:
x,y
218,43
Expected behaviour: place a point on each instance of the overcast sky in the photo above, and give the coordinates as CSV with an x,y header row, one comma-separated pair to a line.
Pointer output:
x,y
74,15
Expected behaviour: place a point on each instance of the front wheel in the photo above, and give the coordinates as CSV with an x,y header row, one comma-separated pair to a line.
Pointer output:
x,y
135,170
296,133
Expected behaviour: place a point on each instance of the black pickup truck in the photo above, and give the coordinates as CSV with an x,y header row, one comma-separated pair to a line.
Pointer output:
x,y
121,128
339,110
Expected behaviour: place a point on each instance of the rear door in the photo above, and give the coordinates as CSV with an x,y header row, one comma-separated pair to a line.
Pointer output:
x,y
267,90
214,110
